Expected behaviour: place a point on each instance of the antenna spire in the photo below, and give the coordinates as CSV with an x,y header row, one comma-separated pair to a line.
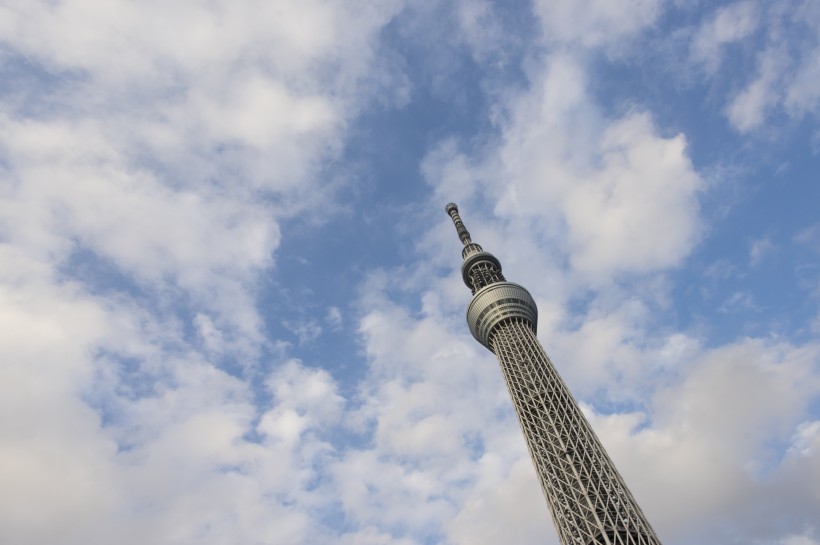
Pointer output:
x,y
462,231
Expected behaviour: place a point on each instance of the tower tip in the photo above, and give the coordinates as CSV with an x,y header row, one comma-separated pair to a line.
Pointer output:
x,y
463,234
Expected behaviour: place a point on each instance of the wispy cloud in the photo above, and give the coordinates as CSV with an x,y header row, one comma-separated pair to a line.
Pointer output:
x,y
760,249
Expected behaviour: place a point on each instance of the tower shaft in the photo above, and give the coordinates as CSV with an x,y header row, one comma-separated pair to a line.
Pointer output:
x,y
588,499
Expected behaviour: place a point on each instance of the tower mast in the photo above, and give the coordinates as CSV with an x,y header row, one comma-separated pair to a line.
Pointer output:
x,y
588,499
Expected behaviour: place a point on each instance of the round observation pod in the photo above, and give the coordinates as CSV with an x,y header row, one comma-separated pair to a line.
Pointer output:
x,y
497,303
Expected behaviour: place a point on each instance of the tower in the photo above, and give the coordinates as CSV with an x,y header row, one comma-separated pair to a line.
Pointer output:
x,y
588,499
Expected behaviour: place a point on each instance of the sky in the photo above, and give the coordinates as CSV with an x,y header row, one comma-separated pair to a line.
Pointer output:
x,y
231,310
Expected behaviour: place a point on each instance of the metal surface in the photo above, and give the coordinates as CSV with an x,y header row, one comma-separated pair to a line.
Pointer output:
x,y
497,303
588,499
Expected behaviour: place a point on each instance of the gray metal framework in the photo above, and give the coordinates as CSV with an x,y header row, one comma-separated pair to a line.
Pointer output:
x,y
588,499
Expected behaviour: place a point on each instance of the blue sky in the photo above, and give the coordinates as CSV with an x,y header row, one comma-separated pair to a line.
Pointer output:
x,y
230,301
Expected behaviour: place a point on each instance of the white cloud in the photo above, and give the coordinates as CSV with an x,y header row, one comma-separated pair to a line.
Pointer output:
x,y
121,40
748,109
305,330
806,440
594,23
211,336
333,318
795,539
787,68
721,269
144,180
709,437
760,249
111,436
391,494
311,393
51,438
415,372
728,25
260,112
622,360
201,83
157,154
371,535
639,211
738,301
802,96
170,140
506,505
481,28
613,194
810,237
75,190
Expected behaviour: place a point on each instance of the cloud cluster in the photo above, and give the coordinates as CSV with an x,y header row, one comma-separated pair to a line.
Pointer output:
x,y
785,82
729,24
594,23
616,195
149,152
165,143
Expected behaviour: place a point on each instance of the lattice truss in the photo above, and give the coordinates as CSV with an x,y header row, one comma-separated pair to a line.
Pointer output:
x,y
589,501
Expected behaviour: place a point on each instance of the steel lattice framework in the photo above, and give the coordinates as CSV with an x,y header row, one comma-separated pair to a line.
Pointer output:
x,y
588,499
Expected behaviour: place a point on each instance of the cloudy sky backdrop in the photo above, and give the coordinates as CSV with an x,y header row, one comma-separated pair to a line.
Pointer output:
x,y
230,304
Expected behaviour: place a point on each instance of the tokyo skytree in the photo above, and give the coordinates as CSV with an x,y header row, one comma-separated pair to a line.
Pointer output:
x,y
588,499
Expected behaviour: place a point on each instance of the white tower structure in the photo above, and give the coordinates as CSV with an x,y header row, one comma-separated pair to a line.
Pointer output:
x,y
588,499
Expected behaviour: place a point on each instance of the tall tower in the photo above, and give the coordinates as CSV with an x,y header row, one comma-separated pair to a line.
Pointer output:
x,y
588,499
